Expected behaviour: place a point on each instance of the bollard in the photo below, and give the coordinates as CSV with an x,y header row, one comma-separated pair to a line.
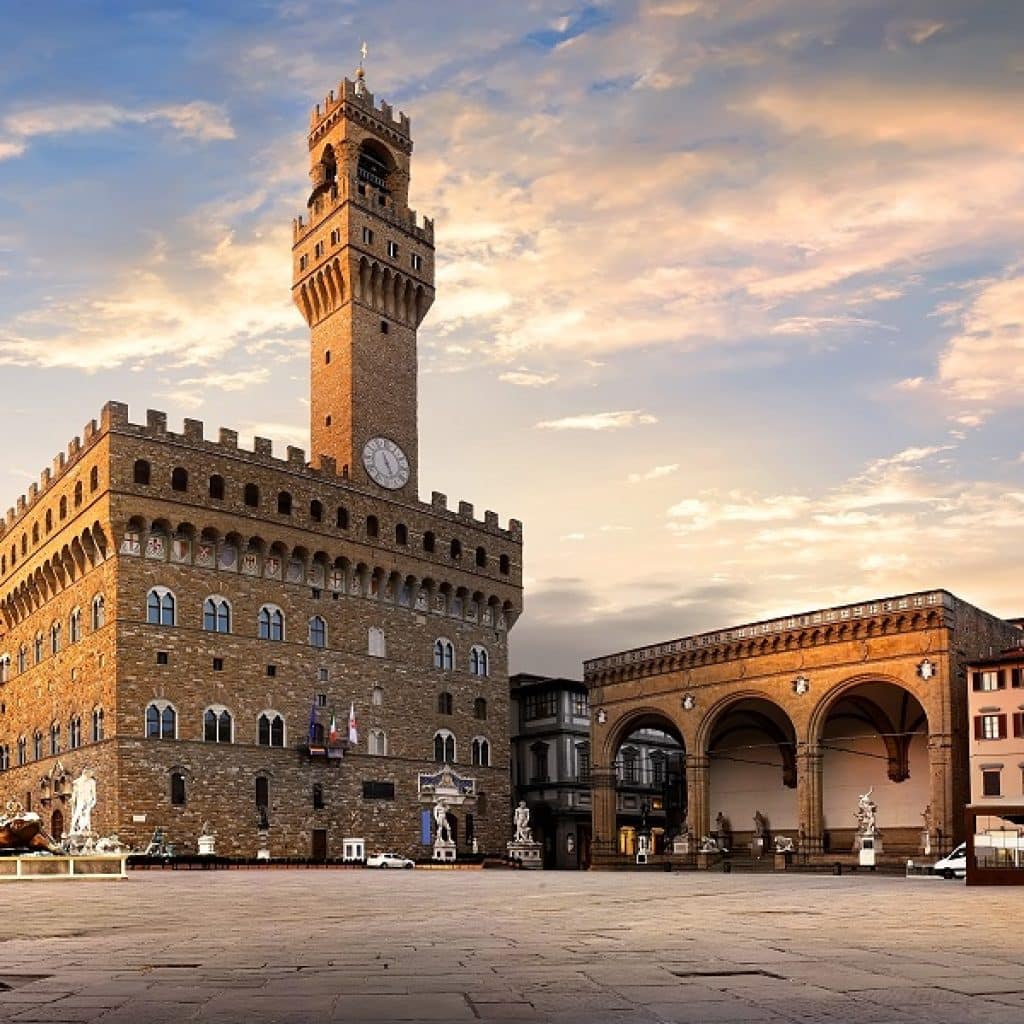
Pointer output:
x,y
726,867
837,868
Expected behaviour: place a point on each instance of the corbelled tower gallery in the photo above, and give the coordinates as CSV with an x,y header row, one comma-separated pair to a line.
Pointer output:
x,y
194,622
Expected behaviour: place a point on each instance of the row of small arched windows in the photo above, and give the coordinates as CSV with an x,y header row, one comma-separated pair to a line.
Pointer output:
x,y
444,658
41,646
285,504
40,748
38,532
218,725
446,752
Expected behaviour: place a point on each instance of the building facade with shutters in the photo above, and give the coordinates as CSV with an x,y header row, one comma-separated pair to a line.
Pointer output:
x,y
188,618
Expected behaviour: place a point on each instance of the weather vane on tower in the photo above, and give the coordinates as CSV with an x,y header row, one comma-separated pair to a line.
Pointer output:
x,y
361,71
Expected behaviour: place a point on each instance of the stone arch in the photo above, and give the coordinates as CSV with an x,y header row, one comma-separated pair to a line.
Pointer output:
x,y
872,732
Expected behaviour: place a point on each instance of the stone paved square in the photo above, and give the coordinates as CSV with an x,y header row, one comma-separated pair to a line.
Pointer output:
x,y
301,945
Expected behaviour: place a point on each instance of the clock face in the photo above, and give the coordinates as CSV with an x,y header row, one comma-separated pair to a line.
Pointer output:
x,y
386,463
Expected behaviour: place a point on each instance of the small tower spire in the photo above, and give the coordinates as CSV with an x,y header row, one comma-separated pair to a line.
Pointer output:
x,y
361,71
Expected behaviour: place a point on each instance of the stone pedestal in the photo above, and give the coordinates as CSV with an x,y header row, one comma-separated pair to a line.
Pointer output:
x,y
444,850
263,853
757,847
706,859
868,847
783,860
681,846
206,845
528,854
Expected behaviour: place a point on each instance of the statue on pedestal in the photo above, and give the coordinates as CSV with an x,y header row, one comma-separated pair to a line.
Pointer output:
x,y
521,820
867,811
83,800
442,830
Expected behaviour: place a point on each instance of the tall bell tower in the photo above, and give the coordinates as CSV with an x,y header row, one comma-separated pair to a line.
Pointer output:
x,y
363,279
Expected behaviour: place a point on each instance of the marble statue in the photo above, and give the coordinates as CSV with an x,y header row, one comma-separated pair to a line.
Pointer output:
x,y
521,819
443,831
784,844
867,810
83,800
760,825
709,844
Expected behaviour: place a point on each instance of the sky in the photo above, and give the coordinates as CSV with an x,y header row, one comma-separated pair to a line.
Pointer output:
x,y
730,293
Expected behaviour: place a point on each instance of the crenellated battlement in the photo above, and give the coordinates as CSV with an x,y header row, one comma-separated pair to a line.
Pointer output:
x,y
358,103
115,419
406,219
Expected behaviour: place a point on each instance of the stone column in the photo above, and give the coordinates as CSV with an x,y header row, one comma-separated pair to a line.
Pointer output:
x,y
698,784
809,797
604,842
946,828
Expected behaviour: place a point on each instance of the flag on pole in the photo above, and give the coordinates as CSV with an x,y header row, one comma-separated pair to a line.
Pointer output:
x,y
312,722
333,736
353,732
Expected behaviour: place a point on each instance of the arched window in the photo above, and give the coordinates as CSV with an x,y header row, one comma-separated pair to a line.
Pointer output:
x,y
160,607
35,533
179,479
55,638
444,747
402,534
217,488
375,643
251,496
22,658
479,663
99,612
62,510
217,725
271,623
75,626
37,745
444,655
94,479
372,526
55,738
22,750
141,472
263,799
216,614
456,550
481,558
317,632
178,788
378,742
377,697
75,732
5,758
5,668
38,648
284,504
480,709
49,520
78,494
161,721
481,752
270,729
341,520
97,724
444,703
429,541
316,511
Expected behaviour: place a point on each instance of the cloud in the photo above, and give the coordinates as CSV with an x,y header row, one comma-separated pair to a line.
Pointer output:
x,y
527,379
815,325
206,122
653,474
600,421
984,360
9,149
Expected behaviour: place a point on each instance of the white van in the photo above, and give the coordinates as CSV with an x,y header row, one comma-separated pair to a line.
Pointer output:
x,y
953,865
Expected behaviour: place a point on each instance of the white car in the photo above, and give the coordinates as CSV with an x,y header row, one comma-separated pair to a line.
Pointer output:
x,y
953,865
388,860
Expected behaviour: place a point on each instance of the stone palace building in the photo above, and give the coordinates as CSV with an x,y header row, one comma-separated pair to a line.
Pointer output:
x,y
188,618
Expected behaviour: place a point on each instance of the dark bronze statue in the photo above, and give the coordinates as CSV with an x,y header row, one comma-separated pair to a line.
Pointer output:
x,y
23,830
